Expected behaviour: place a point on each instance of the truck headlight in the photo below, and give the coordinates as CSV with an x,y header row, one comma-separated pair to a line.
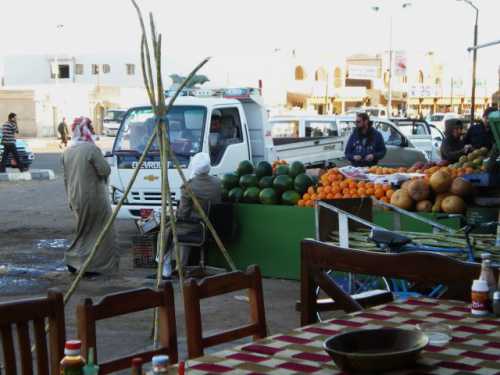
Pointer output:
x,y
117,195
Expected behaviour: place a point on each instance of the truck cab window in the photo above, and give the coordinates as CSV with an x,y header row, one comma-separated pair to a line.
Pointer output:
x,y
391,136
321,129
225,130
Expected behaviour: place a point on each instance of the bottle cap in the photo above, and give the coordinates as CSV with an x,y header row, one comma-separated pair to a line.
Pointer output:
x,y
137,362
160,360
72,347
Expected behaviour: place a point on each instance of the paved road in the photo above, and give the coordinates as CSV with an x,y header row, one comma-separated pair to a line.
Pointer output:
x,y
48,161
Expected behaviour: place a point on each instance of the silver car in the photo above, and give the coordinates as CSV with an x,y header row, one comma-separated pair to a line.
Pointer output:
x,y
400,150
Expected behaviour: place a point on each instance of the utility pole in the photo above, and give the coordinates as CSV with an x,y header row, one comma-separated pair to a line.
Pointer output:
x,y
474,61
389,103
451,96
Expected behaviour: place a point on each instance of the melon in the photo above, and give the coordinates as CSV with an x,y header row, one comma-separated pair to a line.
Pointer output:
x,y
437,203
440,181
424,206
453,204
405,185
402,199
461,187
418,189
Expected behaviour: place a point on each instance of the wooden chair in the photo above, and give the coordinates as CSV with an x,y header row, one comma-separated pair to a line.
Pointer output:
x,y
37,310
127,302
194,291
425,267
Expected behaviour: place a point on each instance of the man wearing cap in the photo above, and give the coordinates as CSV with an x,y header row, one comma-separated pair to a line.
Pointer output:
x,y
479,135
453,147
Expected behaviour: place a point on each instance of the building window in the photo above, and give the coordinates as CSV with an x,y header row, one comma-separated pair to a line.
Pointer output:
x,y
320,74
299,73
95,69
62,71
79,69
337,74
438,82
106,68
130,69
420,76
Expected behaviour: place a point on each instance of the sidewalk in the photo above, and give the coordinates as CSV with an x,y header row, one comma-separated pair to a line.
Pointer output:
x,y
33,174
51,144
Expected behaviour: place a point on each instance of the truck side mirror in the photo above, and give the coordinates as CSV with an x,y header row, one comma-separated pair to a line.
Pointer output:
x,y
108,154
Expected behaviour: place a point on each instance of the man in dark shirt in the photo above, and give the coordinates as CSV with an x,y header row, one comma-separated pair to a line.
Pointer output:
x,y
453,147
365,146
9,131
479,135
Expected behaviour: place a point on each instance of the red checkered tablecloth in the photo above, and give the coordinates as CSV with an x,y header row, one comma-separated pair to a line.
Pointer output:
x,y
474,349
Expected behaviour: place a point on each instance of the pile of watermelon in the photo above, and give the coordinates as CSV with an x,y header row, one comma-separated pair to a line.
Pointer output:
x,y
264,184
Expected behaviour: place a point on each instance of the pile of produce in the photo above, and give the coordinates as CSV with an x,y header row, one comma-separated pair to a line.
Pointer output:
x,y
441,191
265,183
473,160
333,185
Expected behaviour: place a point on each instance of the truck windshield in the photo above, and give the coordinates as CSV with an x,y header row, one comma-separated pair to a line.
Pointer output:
x,y
114,115
186,125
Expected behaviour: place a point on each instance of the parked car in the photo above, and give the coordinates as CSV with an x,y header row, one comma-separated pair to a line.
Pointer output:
x,y
112,120
438,119
23,150
424,136
371,111
401,152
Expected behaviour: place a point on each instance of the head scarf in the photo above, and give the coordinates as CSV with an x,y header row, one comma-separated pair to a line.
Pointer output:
x,y
81,131
200,164
451,124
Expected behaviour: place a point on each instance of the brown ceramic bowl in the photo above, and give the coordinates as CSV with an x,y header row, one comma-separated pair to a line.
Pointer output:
x,y
375,350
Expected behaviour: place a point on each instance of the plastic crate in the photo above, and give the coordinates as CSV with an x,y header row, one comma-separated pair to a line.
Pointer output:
x,y
144,251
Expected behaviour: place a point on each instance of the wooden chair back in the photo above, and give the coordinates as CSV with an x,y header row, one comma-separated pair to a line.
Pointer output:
x,y
128,302
20,314
195,291
425,267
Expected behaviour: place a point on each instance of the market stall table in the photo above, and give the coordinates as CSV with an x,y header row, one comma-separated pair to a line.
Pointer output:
x,y
474,348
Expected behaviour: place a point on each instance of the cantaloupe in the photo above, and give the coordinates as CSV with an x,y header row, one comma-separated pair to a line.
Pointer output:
x,y
461,187
418,189
440,181
424,206
453,204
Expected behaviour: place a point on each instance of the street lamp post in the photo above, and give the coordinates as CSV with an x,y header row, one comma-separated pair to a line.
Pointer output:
x,y
389,81
56,70
474,60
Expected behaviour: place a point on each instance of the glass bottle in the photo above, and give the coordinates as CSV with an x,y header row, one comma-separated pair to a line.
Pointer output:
x,y
160,364
487,273
137,366
73,362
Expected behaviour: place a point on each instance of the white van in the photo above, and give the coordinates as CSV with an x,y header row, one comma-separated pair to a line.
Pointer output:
x,y
112,120
378,112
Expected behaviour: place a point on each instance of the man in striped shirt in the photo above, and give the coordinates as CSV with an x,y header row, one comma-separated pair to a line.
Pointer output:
x,y
9,130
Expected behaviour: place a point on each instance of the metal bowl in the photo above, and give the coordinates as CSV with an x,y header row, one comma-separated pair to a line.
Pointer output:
x,y
375,350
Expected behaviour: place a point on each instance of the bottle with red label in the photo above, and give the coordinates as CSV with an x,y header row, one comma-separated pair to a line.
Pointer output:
x,y
73,362
481,302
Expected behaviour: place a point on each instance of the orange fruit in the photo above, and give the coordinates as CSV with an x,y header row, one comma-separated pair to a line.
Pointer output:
x,y
330,196
386,187
355,195
344,184
347,195
385,199
353,185
310,203
331,178
361,184
345,191
389,193
306,196
353,191
337,196
320,190
301,203
369,185
327,189
361,191
311,190
379,193
314,197
369,191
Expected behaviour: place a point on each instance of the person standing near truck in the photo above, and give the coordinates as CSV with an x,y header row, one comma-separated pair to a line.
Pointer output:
x,y
365,146
63,131
9,131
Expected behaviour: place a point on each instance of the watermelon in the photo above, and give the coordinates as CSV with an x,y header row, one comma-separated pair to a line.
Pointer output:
x,y
268,196
266,182
282,170
290,197
230,180
251,195
283,183
296,168
245,167
235,194
248,180
263,169
301,183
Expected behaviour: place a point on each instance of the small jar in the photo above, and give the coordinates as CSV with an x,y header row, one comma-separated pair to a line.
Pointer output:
x,y
160,364
481,303
496,303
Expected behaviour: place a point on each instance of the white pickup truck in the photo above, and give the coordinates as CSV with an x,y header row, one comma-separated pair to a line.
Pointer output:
x,y
243,134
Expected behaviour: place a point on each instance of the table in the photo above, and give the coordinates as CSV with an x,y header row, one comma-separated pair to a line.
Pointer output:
x,y
474,349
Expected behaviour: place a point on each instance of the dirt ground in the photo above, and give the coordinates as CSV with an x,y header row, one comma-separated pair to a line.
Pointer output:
x,y
36,226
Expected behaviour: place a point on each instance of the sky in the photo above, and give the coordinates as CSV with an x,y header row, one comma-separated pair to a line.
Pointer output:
x,y
236,32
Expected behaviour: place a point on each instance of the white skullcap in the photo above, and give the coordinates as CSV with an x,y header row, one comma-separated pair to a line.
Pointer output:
x,y
200,164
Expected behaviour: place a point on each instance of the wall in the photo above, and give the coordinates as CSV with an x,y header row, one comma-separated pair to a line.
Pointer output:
x,y
22,103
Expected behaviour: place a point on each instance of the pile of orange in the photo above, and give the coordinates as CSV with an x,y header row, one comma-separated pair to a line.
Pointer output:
x,y
279,162
333,185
